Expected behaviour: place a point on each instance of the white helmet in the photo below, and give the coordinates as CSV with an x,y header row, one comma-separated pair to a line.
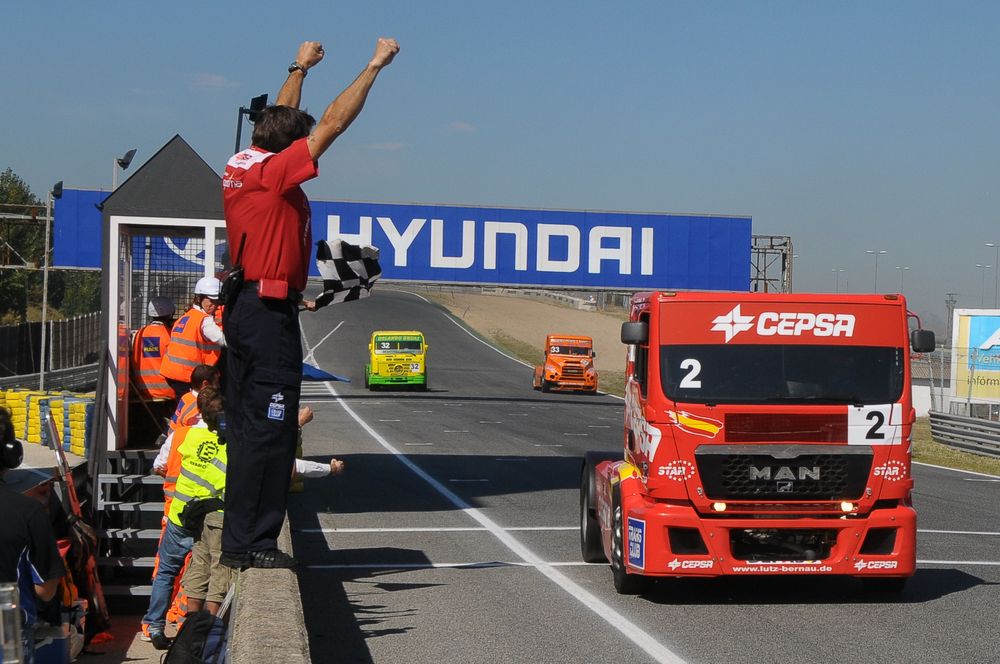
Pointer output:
x,y
207,286
160,307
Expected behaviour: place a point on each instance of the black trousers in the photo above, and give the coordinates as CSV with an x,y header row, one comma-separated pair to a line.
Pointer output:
x,y
261,378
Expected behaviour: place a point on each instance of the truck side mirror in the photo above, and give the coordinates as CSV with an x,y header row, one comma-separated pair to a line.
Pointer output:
x,y
922,341
635,333
593,354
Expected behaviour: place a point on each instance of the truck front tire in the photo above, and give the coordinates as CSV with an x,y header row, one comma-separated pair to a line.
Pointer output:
x,y
590,530
625,583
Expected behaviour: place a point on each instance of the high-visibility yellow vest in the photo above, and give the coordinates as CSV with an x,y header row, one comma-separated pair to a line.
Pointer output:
x,y
203,471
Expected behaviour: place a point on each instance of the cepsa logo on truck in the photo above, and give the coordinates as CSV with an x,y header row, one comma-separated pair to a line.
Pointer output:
x,y
763,433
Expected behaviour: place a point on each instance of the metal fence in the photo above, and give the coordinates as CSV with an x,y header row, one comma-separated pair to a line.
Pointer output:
x,y
71,342
968,433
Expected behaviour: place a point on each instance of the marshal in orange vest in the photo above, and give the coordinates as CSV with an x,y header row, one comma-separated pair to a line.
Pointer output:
x,y
148,350
188,347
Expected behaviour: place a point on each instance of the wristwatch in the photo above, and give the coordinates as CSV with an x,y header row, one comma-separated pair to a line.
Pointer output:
x,y
292,67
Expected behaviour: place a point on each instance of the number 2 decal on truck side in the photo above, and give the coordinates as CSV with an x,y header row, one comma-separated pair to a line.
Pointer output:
x,y
874,425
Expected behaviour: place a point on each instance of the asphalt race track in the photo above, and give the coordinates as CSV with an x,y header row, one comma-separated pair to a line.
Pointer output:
x,y
452,536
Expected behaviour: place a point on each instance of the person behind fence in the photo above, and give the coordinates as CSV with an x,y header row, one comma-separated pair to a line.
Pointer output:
x,y
149,346
29,556
267,216
206,581
195,338
202,476
186,414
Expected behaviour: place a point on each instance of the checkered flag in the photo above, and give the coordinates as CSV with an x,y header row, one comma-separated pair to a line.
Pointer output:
x,y
348,271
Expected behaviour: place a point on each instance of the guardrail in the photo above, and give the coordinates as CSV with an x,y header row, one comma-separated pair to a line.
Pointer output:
x,y
968,433
74,378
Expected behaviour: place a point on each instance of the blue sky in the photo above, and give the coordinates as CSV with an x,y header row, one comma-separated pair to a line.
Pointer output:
x,y
846,125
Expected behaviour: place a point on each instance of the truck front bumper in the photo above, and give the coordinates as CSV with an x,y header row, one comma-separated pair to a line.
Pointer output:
x,y
669,539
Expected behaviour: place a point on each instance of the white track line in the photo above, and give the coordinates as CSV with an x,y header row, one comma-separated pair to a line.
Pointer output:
x,y
955,470
486,564
462,327
431,529
466,330
539,565
630,630
960,532
309,355
449,529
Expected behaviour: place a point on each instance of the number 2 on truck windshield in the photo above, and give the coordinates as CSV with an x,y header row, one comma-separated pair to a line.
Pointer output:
x,y
752,374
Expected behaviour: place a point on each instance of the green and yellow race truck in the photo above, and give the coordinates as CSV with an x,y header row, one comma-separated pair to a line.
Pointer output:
x,y
396,358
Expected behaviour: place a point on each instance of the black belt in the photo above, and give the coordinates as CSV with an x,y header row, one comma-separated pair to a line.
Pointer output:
x,y
294,296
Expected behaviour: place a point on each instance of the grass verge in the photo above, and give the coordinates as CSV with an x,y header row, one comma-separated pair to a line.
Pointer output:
x,y
927,450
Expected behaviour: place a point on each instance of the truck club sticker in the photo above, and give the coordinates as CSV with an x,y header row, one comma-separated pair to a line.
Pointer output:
x,y
784,324
636,543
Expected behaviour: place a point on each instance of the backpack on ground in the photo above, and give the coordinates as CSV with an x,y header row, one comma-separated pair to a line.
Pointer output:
x,y
201,640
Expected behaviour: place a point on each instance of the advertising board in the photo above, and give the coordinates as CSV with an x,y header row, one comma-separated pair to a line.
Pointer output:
x,y
975,355
486,245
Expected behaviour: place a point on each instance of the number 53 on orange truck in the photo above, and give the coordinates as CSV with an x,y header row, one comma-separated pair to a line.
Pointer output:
x,y
765,434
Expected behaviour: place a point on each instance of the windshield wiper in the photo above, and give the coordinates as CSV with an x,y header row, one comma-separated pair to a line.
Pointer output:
x,y
852,399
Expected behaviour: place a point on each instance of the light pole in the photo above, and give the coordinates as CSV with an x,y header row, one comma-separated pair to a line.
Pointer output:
x,y
902,269
54,193
982,292
996,275
836,271
257,104
123,163
876,253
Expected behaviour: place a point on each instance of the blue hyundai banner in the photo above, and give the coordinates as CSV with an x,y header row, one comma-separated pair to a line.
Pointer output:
x,y
480,245
514,246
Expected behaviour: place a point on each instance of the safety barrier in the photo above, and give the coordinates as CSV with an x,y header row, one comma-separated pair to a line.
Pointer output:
x,y
268,622
968,433
73,415
74,378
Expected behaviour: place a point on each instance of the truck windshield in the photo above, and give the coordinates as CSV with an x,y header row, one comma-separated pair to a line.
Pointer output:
x,y
396,345
792,373
569,350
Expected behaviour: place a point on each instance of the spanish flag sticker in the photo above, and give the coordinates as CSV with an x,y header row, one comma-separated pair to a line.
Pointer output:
x,y
699,425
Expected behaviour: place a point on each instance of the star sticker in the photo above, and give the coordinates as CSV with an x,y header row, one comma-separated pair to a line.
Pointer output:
x,y
732,323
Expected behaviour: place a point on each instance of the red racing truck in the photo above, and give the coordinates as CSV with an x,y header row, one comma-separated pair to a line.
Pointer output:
x,y
765,434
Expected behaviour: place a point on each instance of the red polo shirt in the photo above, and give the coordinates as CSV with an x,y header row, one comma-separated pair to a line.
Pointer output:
x,y
262,198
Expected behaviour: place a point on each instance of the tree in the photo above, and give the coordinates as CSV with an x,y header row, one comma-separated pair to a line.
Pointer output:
x,y
19,242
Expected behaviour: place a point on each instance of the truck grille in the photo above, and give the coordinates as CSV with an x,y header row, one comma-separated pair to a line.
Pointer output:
x,y
572,370
783,472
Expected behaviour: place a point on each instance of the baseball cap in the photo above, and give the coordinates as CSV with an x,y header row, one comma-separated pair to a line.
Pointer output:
x,y
160,306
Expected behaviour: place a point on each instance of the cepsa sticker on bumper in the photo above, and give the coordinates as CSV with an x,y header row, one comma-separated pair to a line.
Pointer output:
x,y
637,543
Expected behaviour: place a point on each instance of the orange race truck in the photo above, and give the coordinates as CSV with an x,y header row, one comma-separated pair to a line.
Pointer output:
x,y
765,434
568,364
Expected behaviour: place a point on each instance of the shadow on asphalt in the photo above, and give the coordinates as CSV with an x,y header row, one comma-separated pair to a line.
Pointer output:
x,y
925,586
438,395
388,486
339,624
